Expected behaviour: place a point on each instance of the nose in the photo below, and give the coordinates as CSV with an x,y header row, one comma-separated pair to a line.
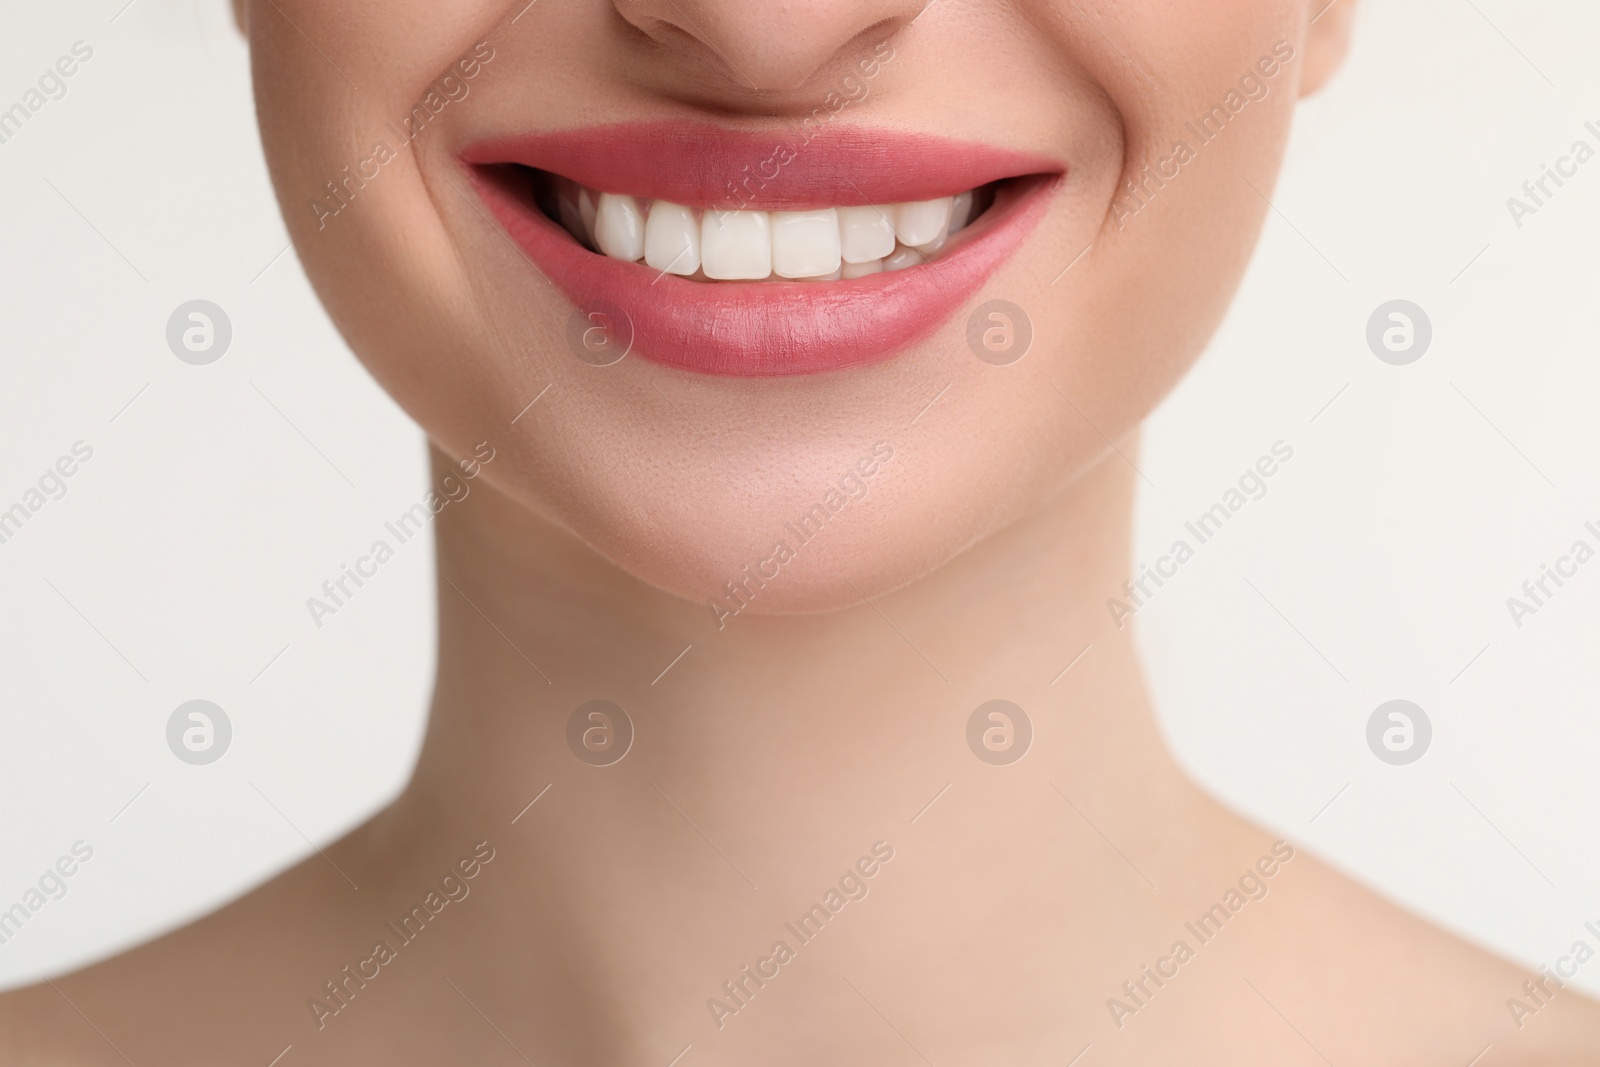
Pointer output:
x,y
769,45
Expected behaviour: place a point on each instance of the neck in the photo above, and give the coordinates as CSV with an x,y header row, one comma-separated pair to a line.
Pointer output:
x,y
532,624
775,751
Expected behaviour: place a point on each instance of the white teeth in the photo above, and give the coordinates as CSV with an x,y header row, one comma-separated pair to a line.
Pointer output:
x,y
821,244
961,211
903,258
861,270
672,239
619,227
567,209
805,244
921,221
736,245
586,211
865,233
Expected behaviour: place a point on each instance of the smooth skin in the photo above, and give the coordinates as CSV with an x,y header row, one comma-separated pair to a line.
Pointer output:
x,y
829,714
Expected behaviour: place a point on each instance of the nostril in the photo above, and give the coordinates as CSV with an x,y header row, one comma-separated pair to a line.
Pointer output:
x,y
765,48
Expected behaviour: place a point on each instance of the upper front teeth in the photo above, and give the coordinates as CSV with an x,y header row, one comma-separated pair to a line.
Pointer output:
x,y
619,227
736,245
865,234
805,244
923,221
672,239
848,242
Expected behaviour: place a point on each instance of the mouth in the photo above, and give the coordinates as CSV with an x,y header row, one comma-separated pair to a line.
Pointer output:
x,y
758,255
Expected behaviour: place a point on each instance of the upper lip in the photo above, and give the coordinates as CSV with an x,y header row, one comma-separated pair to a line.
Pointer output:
x,y
799,168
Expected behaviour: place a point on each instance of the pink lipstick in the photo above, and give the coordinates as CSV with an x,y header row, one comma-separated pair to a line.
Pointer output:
x,y
762,254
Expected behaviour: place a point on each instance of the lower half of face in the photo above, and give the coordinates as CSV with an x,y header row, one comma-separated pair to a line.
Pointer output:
x,y
827,289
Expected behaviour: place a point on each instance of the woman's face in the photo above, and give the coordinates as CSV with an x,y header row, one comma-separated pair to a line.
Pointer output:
x,y
812,441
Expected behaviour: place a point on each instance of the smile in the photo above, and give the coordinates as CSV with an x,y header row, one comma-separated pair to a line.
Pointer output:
x,y
738,254
823,244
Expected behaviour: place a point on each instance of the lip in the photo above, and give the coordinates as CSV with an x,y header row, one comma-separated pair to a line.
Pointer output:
x,y
770,328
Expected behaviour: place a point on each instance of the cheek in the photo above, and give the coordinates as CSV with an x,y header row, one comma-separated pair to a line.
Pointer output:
x,y
339,126
1199,161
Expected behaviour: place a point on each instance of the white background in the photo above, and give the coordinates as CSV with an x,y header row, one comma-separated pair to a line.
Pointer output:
x,y
1376,567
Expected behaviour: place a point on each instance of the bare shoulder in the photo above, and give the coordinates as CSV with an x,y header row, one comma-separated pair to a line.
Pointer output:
x,y
215,990
39,1028
1387,986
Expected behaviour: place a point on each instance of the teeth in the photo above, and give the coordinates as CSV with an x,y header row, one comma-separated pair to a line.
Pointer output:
x,y
619,227
922,221
822,244
736,245
961,211
866,233
567,208
672,239
903,258
587,212
930,247
861,270
805,244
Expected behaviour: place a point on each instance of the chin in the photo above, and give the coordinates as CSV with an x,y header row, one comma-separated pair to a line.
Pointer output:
x,y
818,533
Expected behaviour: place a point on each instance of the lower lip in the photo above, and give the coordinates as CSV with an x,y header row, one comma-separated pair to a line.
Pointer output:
x,y
768,329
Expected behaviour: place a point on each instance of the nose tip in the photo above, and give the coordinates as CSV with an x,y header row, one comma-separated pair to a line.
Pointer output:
x,y
768,45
